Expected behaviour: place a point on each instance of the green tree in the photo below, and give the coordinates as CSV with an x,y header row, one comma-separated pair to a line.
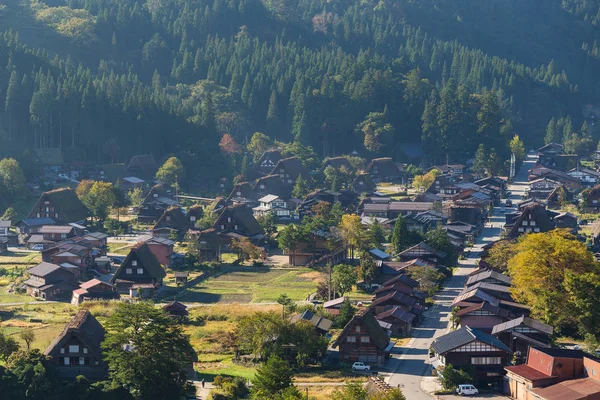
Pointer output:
x,y
136,197
100,199
289,239
28,337
344,278
439,239
480,163
553,135
300,189
377,130
350,391
400,236
287,305
12,178
347,311
8,346
9,214
259,143
518,149
271,379
147,351
171,171
352,231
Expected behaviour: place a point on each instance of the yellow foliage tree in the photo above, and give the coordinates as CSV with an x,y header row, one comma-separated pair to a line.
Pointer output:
x,y
539,267
422,182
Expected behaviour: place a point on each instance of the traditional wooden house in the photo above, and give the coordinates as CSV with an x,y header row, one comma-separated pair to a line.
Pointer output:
x,y
238,221
541,188
489,276
318,251
33,225
384,170
163,249
289,169
243,190
424,251
558,196
396,299
76,350
94,289
466,347
588,177
549,152
61,205
50,282
266,163
181,277
364,340
363,183
520,333
159,199
113,173
566,220
208,245
339,163
483,316
56,233
193,215
172,220
534,218
322,325
143,166
272,184
176,309
399,283
131,183
394,209
346,198
454,170
424,221
140,275
333,306
5,233
401,320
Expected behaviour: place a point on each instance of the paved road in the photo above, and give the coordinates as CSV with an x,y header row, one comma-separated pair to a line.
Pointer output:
x,y
410,365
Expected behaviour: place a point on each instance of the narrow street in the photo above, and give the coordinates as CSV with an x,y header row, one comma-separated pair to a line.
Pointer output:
x,y
410,366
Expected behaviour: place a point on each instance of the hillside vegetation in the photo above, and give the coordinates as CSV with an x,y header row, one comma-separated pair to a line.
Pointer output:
x,y
105,79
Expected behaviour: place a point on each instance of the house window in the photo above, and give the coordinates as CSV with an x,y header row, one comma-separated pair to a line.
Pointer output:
x,y
56,215
134,263
532,223
357,328
66,360
155,195
85,350
192,218
62,350
235,227
140,271
74,348
228,219
168,218
81,361
63,235
222,226
594,201
128,271
46,202
364,339
238,194
351,339
289,181
524,223
37,215
486,360
47,209
262,186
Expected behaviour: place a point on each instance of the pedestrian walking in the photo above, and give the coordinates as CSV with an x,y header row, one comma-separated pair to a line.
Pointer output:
x,y
202,382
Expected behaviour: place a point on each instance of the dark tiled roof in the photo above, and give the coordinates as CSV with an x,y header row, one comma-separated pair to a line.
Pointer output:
x,y
273,185
528,322
43,269
87,328
143,161
114,172
426,247
402,278
318,321
245,190
178,219
397,313
539,215
243,216
386,167
463,336
208,240
368,184
38,221
481,276
378,335
395,297
485,306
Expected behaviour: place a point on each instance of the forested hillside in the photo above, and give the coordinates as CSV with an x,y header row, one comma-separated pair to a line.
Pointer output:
x,y
105,79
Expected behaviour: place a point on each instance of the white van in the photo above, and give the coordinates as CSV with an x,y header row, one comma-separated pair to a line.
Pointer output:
x,y
466,390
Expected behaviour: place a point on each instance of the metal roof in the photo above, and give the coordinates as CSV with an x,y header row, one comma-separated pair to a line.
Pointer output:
x,y
529,322
463,336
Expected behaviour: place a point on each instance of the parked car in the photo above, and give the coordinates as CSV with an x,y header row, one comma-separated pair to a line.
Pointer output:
x,y
466,390
117,260
358,366
37,247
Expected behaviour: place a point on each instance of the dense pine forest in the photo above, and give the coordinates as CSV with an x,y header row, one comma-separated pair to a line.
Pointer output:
x,y
104,80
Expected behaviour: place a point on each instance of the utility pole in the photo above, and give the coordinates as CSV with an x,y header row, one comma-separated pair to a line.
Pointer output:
x,y
329,283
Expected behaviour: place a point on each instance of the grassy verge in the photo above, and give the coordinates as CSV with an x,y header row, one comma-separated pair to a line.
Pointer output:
x,y
10,258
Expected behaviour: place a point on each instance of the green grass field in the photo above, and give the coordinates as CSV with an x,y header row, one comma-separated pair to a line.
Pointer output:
x,y
257,285
9,258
